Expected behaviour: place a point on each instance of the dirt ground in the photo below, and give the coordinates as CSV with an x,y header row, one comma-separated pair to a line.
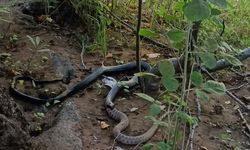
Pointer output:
x,y
220,128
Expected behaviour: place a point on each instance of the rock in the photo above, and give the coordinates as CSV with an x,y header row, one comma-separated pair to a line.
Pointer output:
x,y
64,135
13,125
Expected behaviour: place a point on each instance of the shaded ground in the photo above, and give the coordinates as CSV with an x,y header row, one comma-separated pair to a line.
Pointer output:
x,y
218,129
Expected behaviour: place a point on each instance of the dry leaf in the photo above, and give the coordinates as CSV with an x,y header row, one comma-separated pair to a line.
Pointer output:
x,y
203,148
153,55
109,55
104,125
133,109
21,82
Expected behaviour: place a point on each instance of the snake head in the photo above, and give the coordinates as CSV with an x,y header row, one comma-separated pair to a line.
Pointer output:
x,y
109,81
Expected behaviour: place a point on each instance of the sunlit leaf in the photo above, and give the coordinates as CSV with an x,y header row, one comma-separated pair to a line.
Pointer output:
x,y
170,83
148,33
197,78
166,68
143,74
208,59
146,97
197,10
214,87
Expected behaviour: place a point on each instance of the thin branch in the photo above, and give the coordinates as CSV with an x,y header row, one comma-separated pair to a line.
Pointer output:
x,y
244,121
82,53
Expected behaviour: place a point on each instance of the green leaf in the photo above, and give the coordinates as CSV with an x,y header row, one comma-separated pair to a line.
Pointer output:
x,y
176,35
211,44
215,12
148,33
166,68
197,10
214,87
31,40
220,3
170,18
154,109
202,95
146,97
186,118
232,60
163,146
197,78
208,59
170,83
148,146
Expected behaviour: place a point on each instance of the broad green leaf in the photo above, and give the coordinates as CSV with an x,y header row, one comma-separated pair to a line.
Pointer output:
x,y
232,60
170,83
202,95
148,33
143,74
214,87
176,35
208,59
154,109
215,12
148,146
197,10
220,3
197,78
146,97
166,68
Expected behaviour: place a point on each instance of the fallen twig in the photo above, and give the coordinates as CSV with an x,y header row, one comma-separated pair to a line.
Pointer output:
x,y
236,99
82,53
197,100
237,88
247,126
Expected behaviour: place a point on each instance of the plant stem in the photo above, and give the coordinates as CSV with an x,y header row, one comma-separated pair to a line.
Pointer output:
x,y
138,36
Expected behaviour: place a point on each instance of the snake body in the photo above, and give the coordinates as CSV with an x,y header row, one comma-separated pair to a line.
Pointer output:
x,y
122,118
123,124
78,86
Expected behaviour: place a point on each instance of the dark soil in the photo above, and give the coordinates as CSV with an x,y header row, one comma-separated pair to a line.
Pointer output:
x,y
220,126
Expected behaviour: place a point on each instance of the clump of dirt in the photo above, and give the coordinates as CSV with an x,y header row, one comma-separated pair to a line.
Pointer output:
x,y
14,128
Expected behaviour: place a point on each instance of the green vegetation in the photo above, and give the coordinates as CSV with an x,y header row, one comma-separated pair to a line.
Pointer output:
x,y
186,25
